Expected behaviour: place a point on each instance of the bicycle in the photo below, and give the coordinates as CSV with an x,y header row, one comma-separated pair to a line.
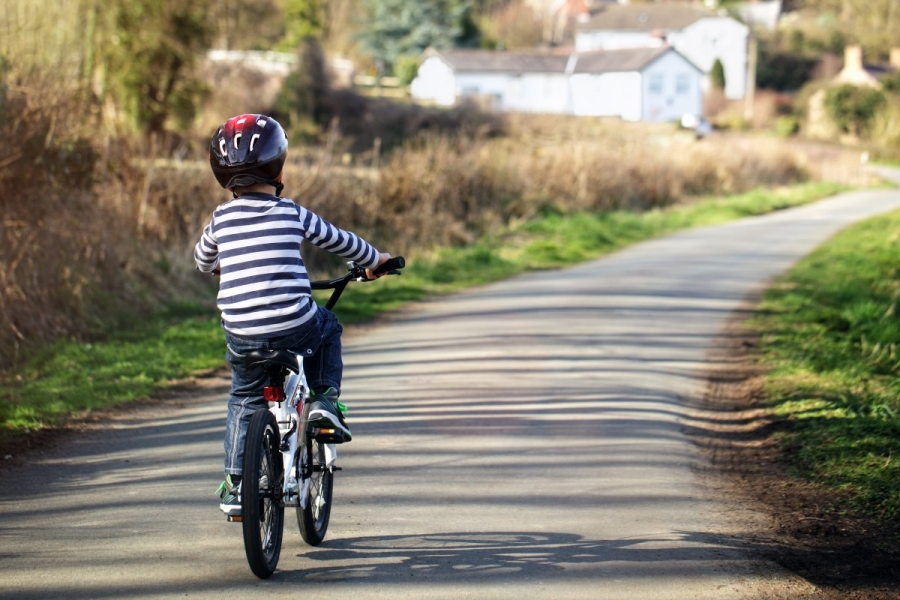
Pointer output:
x,y
287,463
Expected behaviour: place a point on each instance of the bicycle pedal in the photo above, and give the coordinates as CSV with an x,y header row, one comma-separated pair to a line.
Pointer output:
x,y
327,435
235,519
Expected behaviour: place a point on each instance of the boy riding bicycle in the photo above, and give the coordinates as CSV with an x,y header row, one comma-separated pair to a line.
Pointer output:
x,y
253,243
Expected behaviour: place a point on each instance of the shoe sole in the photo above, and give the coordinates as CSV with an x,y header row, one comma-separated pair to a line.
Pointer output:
x,y
324,420
230,510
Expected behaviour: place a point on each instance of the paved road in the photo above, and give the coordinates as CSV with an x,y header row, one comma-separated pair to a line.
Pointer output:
x,y
523,440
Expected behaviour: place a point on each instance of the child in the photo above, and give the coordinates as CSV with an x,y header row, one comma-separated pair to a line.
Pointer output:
x,y
253,243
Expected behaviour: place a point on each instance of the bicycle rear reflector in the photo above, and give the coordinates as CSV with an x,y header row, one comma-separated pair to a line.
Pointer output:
x,y
273,393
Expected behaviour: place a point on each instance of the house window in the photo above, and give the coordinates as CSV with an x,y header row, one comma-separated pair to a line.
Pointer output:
x,y
683,83
656,83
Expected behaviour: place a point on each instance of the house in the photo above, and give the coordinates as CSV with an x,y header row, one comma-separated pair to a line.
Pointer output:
x,y
855,72
760,13
512,81
701,35
635,84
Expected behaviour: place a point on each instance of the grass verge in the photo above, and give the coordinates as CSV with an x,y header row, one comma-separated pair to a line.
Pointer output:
x,y
830,332
73,377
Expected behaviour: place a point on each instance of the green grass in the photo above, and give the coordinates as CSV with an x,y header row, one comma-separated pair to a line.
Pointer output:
x,y
830,335
73,377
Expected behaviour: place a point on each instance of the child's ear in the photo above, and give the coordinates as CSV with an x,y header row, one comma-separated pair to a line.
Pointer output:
x,y
279,175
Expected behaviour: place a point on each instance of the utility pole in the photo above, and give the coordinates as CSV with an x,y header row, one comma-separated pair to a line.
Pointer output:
x,y
750,91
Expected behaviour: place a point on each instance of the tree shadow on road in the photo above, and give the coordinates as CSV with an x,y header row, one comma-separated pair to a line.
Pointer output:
x,y
467,557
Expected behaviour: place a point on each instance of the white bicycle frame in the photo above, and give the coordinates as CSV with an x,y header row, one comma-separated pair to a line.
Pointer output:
x,y
289,414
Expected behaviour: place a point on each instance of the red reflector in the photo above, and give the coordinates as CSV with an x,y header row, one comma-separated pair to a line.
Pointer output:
x,y
273,394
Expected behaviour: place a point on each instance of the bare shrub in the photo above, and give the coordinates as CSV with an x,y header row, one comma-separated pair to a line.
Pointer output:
x,y
91,226
58,246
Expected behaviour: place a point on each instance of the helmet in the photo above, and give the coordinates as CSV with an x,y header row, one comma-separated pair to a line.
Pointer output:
x,y
248,149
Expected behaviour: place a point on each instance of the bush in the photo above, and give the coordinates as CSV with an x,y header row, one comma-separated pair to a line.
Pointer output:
x,y
787,125
406,69
783,71
58,245
853,107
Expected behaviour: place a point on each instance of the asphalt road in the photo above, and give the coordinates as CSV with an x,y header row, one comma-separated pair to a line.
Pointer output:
x,y
527,439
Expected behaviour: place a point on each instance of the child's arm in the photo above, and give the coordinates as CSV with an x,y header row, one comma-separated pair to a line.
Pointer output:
x,y
206,252
334,239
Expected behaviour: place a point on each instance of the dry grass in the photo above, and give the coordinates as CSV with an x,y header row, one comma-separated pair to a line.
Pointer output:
x,y
449,189
107,226
57,244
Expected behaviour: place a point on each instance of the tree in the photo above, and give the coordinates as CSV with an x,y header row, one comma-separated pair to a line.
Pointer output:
x,y
301,105
398,28
717,75
148,51
303,19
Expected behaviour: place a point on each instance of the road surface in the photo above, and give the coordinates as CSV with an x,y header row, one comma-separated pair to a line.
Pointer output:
x,y
523,440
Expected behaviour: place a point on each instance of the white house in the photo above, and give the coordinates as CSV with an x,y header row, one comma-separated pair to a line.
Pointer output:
x,y
636,84
700,35
524,82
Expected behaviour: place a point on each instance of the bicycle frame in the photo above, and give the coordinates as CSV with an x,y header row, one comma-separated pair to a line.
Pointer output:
x,y
289,415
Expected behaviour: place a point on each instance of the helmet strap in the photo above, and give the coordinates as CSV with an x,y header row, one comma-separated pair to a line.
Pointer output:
x,y
278,188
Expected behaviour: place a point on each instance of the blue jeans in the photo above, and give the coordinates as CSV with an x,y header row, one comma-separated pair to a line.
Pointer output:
x,y
319,342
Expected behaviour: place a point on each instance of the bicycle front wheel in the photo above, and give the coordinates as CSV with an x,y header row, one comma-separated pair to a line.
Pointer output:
x,y
313,520
261,498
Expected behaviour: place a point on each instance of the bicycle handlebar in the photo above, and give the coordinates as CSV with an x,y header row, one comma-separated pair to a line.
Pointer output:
x,y
391,266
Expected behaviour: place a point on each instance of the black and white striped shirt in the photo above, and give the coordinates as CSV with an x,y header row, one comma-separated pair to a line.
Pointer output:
x,y
254,240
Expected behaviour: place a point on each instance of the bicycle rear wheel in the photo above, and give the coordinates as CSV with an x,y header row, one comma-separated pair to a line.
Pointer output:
x,y
261,498
313,520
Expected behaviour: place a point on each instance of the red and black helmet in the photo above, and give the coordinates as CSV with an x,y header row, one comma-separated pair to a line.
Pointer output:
x,y
248,149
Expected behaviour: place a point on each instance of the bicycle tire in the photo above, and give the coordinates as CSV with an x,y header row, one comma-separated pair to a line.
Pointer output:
x,y
313,520
261,499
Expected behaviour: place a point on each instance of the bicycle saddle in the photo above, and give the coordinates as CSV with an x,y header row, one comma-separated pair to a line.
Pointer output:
x,y
263,358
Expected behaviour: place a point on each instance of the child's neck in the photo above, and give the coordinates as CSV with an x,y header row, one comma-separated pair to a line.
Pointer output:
x,y
259,188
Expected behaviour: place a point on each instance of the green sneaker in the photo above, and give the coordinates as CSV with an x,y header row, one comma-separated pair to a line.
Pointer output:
x,y
230,494
326,415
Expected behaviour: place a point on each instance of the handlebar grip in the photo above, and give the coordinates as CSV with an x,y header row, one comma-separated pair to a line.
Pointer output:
x,y
391,264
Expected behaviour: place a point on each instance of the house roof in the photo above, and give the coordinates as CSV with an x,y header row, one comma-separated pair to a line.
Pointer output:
x,y
491,61
597,61
623,60
644,17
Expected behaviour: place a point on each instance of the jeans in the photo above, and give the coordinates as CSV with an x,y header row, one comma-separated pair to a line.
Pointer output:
x,y
319,342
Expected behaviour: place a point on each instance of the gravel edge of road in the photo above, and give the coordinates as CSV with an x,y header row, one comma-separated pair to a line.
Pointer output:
x,y
776,516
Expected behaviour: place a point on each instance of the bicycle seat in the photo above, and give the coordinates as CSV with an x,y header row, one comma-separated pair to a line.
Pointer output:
x,y
263,358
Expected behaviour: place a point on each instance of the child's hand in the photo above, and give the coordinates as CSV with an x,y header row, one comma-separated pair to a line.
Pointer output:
x,y
382,258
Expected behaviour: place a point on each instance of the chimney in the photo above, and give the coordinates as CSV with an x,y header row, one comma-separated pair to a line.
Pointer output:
x,y
895,58
853,58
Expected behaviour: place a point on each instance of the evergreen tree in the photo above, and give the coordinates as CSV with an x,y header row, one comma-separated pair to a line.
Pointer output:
x,y
397,28
717,75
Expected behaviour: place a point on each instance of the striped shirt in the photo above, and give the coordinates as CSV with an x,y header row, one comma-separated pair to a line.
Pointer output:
x,y
254,241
